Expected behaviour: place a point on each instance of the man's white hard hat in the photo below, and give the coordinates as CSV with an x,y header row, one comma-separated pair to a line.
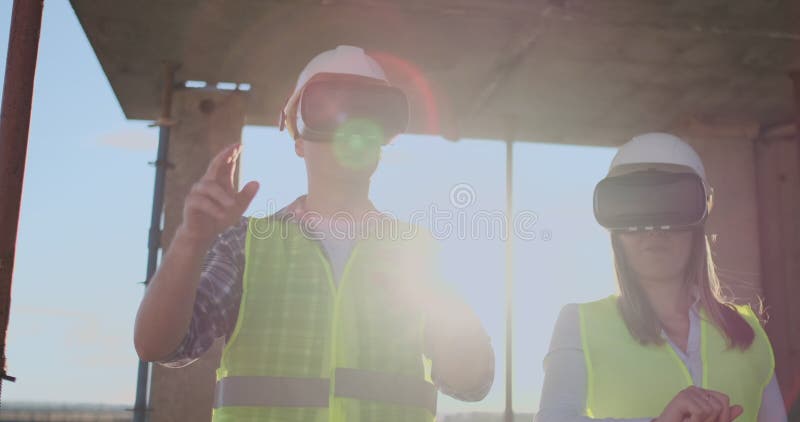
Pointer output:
x,y
344,60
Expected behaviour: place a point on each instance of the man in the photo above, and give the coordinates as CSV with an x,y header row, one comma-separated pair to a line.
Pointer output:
x,y
326,317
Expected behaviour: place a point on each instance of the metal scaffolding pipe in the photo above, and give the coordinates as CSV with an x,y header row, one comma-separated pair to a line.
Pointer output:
x,y
509,411
15,117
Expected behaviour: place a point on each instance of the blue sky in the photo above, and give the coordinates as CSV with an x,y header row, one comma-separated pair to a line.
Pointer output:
x,y
82,242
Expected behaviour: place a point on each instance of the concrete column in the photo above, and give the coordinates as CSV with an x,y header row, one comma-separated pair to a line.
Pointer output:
x,y
778,179
206,121
726,148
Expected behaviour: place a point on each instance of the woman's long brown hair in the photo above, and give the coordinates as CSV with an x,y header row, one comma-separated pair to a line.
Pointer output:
x,y
642,320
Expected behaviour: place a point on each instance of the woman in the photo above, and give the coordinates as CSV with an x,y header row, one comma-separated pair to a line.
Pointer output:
x,y
668,347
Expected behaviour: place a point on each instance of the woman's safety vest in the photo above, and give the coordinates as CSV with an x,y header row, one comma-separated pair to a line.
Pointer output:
x,y
305,349
629,380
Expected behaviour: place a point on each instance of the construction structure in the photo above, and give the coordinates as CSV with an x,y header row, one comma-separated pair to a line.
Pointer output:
x,y
719,73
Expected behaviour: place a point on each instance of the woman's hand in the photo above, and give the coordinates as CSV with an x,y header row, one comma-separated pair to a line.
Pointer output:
x,y
696,404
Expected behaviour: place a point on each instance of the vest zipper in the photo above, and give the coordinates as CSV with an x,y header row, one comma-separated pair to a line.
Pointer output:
x,y
337,297
684,369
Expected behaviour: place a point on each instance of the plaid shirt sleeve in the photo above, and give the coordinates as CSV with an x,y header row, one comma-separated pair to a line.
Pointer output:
x,y
219,292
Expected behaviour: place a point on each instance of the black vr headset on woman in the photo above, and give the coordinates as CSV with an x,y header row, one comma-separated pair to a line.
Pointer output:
x,y
651,200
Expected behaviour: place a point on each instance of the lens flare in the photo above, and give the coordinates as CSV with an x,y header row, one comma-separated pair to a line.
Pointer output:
x,y
357,143
424,105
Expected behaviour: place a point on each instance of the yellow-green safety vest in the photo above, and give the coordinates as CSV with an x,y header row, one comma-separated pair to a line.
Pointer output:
x,y
629,380
305,349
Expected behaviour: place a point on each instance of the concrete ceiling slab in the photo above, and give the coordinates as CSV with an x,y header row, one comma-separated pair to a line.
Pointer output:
x,y
588,72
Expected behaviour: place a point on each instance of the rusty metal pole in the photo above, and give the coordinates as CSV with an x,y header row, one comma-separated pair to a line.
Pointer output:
x,y
140,407
15,118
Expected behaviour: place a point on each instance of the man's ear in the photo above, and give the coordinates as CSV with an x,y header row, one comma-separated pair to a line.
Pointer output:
x,y
298,148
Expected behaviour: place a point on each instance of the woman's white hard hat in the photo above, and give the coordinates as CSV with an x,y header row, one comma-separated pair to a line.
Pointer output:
x,y
659,148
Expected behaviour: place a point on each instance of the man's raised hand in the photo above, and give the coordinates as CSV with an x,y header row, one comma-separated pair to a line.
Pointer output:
x,y
213,204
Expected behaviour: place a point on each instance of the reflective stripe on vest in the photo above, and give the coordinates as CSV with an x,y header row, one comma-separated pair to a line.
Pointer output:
x,y
272,391
314,392
383,387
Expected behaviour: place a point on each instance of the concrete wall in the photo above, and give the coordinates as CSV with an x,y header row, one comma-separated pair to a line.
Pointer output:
x,y
756,216
726,148
778,164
